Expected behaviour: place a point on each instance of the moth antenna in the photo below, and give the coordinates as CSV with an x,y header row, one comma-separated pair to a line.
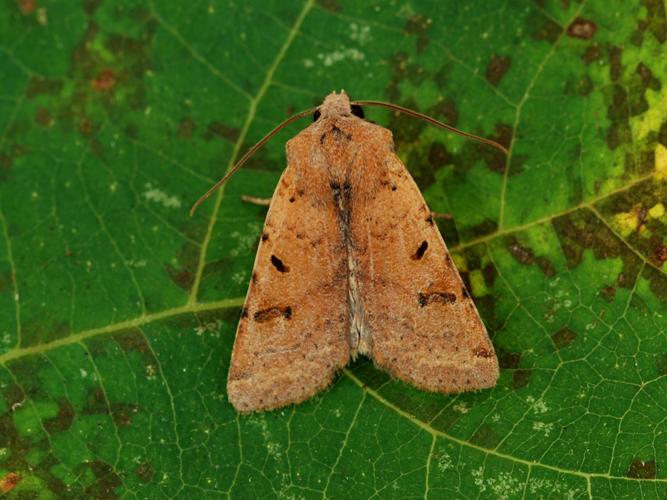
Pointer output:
x,y
432,121
248,155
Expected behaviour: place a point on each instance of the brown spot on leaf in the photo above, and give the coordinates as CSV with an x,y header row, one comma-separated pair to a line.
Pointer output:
x,y
186,128
521,378
656,19
660,253
9,482
144,472
592,54
497,67
104,81
107,481
582,28
27,7
122,413
545,28
40,85
661,364
563,337
639,469
438,155
63,420
217,129
131,339
330,5
615,66
486,437
608,293
86,126
419,25
446,111
90,6
43,117
509,360
495,159
181,277
520,253
95,402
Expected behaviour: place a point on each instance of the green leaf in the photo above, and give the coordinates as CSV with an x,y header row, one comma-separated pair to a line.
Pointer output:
x,y
119,310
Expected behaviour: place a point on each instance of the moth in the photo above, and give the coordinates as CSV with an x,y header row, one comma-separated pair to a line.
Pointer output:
x,y
351,262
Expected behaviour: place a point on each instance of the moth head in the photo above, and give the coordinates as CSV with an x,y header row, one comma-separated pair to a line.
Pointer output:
x,y
337,105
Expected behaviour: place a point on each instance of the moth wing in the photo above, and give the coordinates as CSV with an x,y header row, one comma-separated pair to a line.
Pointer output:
x,y
293,333
424,326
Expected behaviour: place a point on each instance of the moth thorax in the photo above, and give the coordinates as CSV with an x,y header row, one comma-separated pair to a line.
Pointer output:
x,y
336,105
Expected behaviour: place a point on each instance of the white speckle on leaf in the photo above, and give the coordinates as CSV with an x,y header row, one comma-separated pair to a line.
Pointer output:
x,y
157,196
445,462
272,447
113,186
542,427
150,372
461,408
42,16
136,263
34,195
540,406
246,241
83,373
239,277
308,63
503,485
331,58
360,34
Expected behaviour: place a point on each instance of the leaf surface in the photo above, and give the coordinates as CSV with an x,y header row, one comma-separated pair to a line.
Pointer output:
x,y
119,311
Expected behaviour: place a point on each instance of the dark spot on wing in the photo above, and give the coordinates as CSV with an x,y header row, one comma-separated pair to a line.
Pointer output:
x,y
427,298
482,352
420,251
265,236
270,313
278,264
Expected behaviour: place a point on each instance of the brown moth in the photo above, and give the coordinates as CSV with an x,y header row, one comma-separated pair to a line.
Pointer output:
x,y
351,262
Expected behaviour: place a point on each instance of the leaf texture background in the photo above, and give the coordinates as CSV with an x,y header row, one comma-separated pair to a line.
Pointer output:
x,y
118,311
